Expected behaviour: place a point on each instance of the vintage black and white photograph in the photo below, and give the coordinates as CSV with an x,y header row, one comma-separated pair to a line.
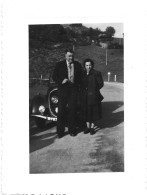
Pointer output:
x,y
76,98
73,97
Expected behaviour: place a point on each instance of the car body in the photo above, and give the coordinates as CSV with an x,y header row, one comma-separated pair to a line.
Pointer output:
x,y
45,107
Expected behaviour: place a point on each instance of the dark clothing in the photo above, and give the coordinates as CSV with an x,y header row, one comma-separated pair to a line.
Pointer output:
x,y
67,94
93,113
91,85
61,72
67,106
91,97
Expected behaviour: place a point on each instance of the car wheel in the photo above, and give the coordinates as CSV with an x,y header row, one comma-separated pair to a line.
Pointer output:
x,y
40,122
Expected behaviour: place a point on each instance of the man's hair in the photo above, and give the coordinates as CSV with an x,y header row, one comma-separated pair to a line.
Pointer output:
x,y
88,60
69,50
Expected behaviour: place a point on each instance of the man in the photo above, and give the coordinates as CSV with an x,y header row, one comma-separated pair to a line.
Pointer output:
x,y
67,74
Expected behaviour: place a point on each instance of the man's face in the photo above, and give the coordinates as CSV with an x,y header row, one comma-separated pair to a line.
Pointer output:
x,y
69,57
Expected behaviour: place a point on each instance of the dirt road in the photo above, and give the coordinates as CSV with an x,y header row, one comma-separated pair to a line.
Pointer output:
x,y
101,152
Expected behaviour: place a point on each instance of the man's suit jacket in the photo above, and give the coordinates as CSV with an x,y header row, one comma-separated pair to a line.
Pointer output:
x,y
61,72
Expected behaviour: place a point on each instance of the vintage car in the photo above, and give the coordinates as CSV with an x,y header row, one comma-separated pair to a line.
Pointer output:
x,y
45,107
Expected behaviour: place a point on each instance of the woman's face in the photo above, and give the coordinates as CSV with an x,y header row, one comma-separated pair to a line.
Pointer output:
x,y
88,66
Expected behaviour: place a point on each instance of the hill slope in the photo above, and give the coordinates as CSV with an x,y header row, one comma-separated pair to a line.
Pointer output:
x,y
41,60
115,62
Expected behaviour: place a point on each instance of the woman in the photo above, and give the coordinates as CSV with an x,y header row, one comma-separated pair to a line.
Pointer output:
x,y
91,97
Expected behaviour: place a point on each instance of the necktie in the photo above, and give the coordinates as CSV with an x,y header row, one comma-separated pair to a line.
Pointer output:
x,y
70,72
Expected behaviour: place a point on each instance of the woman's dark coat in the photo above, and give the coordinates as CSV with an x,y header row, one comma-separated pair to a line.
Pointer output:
x,y
90,93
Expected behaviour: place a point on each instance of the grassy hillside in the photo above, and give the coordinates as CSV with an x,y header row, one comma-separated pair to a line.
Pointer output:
x,y
114,60
41,60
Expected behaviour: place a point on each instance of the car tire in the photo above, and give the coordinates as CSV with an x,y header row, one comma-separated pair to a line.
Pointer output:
x,y
40,122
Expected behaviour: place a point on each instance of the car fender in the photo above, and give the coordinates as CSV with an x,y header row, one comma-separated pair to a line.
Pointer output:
x,y
37,101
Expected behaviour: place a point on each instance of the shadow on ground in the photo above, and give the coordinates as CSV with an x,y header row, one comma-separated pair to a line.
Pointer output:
x,y
111,118
42,137
110,140
34,129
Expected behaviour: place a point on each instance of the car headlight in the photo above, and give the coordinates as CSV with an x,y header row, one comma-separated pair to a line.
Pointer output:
x,y
54,99
41,109
56,109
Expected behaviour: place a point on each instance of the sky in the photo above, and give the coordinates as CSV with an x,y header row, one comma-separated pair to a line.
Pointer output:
x,y
102,26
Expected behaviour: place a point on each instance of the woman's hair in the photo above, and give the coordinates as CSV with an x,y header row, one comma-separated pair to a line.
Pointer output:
x,y
88,60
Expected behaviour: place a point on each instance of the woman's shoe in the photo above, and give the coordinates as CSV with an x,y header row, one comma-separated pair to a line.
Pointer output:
x,y
92,131
87,130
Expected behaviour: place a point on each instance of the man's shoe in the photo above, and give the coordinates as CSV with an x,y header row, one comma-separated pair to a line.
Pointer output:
x,y
60,135
87,130
73,134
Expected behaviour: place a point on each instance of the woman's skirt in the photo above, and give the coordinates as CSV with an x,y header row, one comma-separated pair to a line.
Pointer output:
x,y
90,113
93,113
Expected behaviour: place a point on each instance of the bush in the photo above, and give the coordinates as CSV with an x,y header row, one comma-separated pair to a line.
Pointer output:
x,y
115,46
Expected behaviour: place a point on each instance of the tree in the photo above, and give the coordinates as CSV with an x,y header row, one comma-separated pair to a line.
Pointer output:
x,y
76,25
110,31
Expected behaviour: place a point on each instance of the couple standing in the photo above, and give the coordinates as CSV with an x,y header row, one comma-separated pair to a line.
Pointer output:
x,y
73,81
